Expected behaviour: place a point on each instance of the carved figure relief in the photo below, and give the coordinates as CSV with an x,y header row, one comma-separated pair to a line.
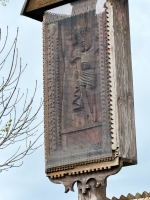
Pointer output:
x,y
81,68
77,74
87,65
85,74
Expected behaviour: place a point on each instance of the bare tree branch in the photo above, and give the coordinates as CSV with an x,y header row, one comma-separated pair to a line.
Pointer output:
x,y
16,127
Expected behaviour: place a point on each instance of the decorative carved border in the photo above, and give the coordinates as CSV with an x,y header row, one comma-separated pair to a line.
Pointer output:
x,y
112,77
83,182
46,135
103,64
51,91
53,17
138,196
79,168
52,111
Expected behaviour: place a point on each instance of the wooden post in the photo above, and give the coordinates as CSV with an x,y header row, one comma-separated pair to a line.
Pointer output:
x,y
91,186
91,192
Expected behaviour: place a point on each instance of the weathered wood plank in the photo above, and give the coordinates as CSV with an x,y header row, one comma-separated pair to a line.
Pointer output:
x,y
125,99
36,4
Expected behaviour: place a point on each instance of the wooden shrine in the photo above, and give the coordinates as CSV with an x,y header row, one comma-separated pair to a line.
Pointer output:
x,y
88,92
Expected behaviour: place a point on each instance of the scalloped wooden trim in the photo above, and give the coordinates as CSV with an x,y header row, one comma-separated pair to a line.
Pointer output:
x,y
85,169
112,77
144,196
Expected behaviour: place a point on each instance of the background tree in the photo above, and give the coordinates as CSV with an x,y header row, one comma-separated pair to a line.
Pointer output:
x,y
17,124
4,2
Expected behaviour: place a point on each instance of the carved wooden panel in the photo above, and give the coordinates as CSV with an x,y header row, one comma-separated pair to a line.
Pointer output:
x,y
88,90
76,89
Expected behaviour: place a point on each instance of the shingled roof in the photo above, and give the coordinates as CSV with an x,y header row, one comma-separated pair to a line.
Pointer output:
x,y
144,195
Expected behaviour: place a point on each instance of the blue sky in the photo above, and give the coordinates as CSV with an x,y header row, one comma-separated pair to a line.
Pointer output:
x,y
29,181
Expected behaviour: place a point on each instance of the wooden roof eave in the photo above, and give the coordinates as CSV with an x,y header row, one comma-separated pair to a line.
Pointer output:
x,y
37,14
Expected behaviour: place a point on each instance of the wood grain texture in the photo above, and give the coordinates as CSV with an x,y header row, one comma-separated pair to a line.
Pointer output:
x,y
112,83
35,8
88,89
36,4
125,99
75,89
85,186
79,169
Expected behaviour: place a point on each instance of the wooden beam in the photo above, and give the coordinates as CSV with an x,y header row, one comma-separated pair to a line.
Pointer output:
x,y
35,8
37,4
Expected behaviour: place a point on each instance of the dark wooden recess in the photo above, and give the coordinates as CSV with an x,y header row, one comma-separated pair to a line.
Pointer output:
x,y
35,8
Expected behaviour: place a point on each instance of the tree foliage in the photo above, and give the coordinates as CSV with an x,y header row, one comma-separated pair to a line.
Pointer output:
x,y
18,125
4,2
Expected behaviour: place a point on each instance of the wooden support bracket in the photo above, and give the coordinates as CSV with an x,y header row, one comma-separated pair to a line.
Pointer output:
x,y
91,186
